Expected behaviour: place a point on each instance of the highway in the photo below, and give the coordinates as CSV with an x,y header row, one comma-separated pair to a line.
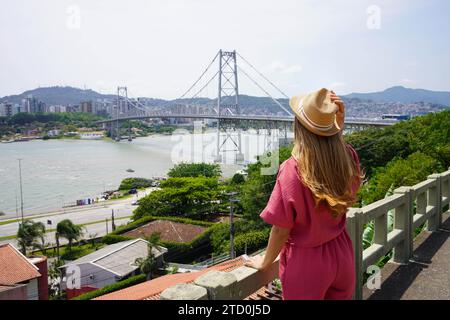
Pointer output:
x,y
82,215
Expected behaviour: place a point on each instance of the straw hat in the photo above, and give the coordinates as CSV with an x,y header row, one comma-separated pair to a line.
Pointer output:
x,y
317,113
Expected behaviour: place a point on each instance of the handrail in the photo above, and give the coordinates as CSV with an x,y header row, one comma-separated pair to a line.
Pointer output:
x,y
411,207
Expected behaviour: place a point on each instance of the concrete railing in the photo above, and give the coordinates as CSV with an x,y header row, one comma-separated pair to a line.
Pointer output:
x,y
411,206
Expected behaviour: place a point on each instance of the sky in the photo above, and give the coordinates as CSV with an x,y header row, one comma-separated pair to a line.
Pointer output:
x,y
158,48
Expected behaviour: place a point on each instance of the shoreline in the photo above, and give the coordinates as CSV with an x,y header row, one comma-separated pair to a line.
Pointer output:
x,y
6,220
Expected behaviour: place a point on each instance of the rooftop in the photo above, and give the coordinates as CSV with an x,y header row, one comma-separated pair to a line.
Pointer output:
x,y
118,258
169,230
15,267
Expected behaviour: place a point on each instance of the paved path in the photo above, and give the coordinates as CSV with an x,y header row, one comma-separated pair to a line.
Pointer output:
x,y
427,276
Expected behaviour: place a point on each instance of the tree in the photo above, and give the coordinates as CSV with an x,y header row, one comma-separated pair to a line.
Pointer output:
x,y
238,178
148,264
30,234
181,196
68,230
256,190
195,170
135,183
398,172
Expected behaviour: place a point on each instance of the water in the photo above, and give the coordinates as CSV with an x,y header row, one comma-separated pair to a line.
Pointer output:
x,y
57,172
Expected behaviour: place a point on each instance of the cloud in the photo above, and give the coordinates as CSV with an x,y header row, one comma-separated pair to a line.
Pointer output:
x,y
280,67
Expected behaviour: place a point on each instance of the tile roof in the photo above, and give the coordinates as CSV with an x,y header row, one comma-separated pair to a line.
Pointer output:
x,y
150,290
15,267
118,258
169,230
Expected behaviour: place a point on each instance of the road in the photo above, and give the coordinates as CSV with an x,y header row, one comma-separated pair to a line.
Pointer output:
x,y
82,215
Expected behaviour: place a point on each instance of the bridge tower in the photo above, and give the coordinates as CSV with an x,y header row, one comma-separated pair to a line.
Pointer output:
x,y
121,108
228,104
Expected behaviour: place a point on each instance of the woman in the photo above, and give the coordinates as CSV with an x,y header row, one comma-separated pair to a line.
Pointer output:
x,y
307,207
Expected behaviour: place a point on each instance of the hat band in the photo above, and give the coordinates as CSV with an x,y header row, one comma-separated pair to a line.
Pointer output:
x,y
312,123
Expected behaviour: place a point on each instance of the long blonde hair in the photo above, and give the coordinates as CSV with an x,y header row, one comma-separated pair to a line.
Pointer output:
x,y
327,168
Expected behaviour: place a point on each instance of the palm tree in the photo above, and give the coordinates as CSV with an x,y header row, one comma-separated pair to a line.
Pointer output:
x,y
29,234
68,230
148,264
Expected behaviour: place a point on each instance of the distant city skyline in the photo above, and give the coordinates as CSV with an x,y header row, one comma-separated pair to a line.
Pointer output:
x,y
158,49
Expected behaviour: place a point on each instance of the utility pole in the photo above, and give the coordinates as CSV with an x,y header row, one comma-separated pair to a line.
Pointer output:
x,y
113,225
106,220
21,190
232,201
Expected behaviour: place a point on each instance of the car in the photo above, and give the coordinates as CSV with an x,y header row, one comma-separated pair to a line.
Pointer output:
x,y
135,203
133,191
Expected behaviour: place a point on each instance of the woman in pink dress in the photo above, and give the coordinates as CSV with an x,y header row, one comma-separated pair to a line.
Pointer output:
x,y
307,208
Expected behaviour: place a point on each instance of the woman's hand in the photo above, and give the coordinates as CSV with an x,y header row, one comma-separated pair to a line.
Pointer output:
x,y
340,115
256,262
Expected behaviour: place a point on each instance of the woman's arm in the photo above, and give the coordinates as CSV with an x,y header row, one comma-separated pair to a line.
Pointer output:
x,y
277,238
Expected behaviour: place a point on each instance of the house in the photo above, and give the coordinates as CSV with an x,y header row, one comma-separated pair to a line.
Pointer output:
x,y
105,266
22,278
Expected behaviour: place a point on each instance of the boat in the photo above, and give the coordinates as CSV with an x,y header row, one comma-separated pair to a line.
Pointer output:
x,y
130,170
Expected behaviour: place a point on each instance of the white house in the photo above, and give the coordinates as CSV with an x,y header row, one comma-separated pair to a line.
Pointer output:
x,y
106,266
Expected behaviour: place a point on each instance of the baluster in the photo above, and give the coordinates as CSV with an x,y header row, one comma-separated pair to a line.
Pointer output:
x,y
403,221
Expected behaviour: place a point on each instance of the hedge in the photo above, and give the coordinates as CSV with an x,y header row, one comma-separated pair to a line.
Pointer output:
x,y
184,252
114,238
254,240
112,287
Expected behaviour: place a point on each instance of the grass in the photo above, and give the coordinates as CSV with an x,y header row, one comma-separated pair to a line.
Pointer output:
x,y
77,251
7,238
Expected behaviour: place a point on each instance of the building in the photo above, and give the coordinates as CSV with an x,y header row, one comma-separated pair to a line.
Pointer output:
x,y
395,116
56,109
7,109
87,107
106,266
32,105
22,278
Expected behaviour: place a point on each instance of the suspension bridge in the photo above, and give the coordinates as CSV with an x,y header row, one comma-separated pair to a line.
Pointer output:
x,y
225,110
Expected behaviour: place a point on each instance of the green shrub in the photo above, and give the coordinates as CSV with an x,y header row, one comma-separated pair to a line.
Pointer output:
x,y
220,233
113,238
135,183
398,172
252,241
238,178
112,287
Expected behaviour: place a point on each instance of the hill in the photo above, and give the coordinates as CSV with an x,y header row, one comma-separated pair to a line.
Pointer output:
x,y
404,95
58,95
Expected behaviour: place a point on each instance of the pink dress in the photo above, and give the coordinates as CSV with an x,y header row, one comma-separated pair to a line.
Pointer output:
x,y
317,261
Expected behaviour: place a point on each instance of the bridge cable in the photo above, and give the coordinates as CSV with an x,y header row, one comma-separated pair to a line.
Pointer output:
x,y
268,94
204,72
263,76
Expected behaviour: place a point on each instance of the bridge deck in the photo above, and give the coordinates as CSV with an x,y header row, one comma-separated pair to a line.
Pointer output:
x,y
427,276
